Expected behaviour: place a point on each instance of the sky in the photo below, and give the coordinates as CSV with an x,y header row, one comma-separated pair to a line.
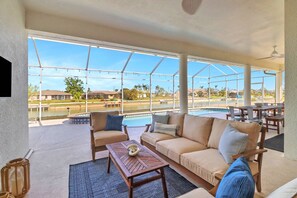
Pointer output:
x,y
57,54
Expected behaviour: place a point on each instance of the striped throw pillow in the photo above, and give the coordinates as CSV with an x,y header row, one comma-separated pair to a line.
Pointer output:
x,y
169,129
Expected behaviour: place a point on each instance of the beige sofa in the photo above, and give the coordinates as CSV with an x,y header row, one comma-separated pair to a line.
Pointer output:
x,y
195,148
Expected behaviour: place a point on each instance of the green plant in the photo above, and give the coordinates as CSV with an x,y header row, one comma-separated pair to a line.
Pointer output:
x,y
32,90
74,86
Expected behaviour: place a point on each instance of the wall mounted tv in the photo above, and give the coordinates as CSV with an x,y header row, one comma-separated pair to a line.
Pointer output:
x,y
5,81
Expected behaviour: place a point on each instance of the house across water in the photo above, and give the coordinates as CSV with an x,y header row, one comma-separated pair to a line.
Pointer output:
x,y
52,95
102,95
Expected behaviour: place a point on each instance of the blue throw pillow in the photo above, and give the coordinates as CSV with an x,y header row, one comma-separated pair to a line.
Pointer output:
x,y
114,123
237,181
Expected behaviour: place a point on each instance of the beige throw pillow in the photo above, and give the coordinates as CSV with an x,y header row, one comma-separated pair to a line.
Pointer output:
x,y
169,129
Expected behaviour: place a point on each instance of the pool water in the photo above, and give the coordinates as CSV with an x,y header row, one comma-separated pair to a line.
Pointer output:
x,y
142,120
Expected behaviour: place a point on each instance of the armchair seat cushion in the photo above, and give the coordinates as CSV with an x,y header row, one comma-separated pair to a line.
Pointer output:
x,y
175,147
107,137
153,138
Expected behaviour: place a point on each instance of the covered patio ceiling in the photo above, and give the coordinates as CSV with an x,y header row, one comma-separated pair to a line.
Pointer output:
x,y
235,31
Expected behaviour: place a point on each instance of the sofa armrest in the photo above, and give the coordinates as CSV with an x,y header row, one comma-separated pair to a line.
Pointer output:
x,y
213,191
147,126
219,176
249,153
91,129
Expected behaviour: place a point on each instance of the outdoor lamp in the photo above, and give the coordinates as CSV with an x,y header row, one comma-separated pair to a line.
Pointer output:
x,y
15,177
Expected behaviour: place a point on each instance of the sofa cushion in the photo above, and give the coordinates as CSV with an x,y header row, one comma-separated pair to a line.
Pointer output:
x,y
175,147
152,138
98,119
178,119
160,119
252,129
197,193
237,181
107,137
206,163
232,142
197,128
169,129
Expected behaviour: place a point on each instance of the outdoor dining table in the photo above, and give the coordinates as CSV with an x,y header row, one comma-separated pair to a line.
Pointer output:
x,y
258,109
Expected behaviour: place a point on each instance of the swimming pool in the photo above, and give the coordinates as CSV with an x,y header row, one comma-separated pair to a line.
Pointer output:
x,y
142,120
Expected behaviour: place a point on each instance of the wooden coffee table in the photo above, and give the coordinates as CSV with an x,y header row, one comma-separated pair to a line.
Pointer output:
x,y
129,167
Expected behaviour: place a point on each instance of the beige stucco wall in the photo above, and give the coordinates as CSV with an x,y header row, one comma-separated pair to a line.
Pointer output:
x,y
14,113
290,79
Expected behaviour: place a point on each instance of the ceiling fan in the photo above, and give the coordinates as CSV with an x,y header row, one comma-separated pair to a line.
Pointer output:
x,y
274,54
191,6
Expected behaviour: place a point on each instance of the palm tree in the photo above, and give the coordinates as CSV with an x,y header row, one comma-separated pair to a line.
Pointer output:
x,y
157,88
145,87
138,87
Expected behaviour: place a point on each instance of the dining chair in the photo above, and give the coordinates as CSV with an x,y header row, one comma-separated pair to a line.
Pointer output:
x,y
279,110
275,120
251,118
234,116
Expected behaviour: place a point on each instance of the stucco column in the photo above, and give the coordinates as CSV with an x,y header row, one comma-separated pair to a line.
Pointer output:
x,y
290,79
247,85
278,86
183,83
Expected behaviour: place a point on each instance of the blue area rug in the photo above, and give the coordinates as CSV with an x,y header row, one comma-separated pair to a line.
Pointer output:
x,y
90,179
275,143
